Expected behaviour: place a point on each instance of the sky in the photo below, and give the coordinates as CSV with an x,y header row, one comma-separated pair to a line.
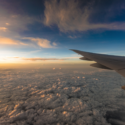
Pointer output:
x,y
45,30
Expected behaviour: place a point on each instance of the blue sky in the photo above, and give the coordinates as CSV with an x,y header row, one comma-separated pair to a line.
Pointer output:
x,y
47,29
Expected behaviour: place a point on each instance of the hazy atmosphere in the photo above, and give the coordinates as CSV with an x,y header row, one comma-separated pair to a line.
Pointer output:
x,y
42,81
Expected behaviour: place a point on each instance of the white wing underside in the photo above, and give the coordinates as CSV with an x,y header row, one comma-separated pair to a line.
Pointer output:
x,y
116,63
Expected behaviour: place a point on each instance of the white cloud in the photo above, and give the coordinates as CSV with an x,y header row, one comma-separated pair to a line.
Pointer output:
x,y
3,28
7,24
9,41
54,44
68,16
44,43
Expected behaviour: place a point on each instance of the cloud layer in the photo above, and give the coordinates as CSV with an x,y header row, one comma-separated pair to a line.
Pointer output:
x,y
60,96
44,59
69,16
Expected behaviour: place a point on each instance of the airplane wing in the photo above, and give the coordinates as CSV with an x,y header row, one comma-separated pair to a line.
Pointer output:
x,y
111,62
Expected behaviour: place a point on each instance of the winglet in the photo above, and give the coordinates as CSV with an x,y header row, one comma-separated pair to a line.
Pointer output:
x,y
77,51
73,50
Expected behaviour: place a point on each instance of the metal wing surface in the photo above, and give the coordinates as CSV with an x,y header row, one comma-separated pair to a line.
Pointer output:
x,y
116,63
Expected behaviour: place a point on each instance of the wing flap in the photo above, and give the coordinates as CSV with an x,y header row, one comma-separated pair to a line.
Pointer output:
x,y
97,65
84,58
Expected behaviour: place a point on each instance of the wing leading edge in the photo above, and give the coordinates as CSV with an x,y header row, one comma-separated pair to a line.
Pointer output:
x,y
111,62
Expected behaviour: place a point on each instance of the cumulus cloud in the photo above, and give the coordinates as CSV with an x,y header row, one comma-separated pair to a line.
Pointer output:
x,y
44,43
9,41
68,16
58,97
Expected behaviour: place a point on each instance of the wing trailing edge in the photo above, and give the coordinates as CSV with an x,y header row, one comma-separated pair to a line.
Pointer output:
x,y
97,65
103,61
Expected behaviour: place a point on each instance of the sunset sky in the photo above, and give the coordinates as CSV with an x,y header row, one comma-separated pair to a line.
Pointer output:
x,y
45,30
42,79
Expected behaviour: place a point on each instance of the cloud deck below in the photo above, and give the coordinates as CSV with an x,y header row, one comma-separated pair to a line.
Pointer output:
x,y
61,96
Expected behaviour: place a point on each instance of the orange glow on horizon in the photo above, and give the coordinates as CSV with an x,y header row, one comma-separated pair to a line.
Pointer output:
x,y
55,65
